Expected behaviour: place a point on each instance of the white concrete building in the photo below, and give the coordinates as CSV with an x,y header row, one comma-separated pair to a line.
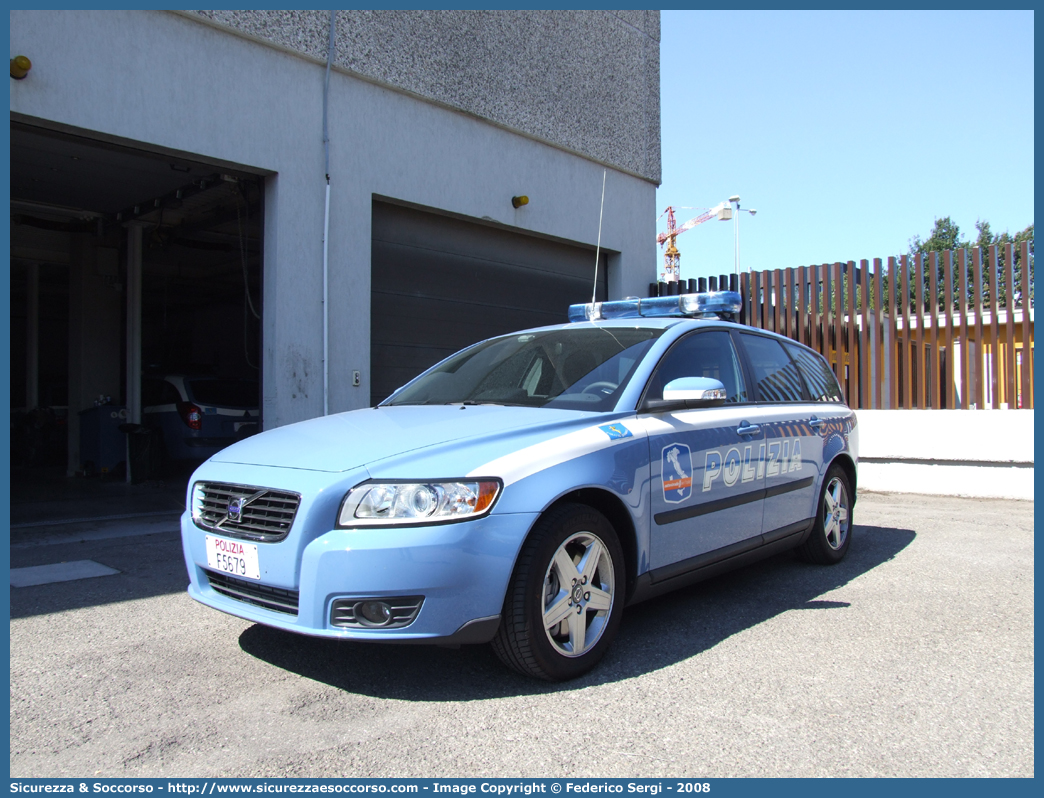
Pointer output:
x,y
169,184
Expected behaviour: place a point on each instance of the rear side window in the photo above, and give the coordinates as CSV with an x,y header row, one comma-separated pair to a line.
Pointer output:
x,y
820,380
775,374
158,392
224,393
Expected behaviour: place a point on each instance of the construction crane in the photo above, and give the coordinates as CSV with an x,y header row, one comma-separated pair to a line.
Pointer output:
x,y
671,256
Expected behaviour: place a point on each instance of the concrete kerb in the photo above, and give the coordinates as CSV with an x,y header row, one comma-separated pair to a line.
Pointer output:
x,y
979,454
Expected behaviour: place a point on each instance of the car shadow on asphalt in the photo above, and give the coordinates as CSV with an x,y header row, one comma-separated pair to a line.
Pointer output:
x,y
653,635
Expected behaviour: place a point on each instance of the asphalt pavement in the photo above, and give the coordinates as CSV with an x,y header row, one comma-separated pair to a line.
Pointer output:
x,y
913,657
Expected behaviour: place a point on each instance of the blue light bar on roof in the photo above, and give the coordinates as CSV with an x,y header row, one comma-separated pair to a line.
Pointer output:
x,y
601,311
705,305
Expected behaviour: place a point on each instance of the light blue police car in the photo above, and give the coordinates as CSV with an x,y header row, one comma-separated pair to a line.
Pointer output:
x,y
526,489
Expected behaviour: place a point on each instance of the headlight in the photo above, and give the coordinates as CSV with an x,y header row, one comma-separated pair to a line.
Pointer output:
x,y
400,503
197,503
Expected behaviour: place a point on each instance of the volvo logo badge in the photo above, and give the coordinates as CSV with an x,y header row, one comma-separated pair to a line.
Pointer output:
x,y
235,509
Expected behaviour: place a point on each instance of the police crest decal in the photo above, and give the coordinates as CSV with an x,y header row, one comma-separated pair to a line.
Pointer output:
x,y
676,472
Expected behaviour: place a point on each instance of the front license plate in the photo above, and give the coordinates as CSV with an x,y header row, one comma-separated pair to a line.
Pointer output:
x,y
233,557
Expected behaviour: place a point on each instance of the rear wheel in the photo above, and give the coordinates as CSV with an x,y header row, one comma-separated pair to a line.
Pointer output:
x,y
831,535
565,598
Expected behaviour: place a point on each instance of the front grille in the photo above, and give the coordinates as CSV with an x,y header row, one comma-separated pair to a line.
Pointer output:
x,y
266,514
404,611
271,598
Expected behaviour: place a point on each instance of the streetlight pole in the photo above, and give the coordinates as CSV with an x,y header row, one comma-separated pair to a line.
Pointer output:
x,y
735,200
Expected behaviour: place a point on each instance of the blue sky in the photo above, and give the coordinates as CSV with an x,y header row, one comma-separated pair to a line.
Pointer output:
x,y
848,132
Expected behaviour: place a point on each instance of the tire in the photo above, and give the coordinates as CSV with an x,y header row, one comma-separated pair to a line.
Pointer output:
x,y
553,627
831,534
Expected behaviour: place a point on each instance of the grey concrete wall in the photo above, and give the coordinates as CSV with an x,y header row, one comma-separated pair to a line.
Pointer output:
x,y
172,82
585,80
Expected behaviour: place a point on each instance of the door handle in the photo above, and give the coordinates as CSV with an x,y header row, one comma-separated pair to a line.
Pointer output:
x,y
815,422
748,429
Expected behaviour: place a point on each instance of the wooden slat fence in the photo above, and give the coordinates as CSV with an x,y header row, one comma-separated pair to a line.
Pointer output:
x,y
920,332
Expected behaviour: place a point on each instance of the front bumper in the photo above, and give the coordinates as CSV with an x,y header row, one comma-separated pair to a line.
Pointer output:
x,y
461,569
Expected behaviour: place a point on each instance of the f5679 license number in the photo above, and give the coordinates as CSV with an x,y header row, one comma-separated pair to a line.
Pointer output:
x,y
233,557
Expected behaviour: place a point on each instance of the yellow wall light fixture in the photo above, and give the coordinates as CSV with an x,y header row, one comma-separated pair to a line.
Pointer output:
x,y
20,66
518,202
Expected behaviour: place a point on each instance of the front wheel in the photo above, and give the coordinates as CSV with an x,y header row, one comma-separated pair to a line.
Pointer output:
x,y
831,535
565,598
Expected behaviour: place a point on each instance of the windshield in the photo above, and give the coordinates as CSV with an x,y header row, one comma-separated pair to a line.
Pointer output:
x,y
576,369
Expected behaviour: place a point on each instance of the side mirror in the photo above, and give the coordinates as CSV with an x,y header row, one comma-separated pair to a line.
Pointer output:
x,y
695,392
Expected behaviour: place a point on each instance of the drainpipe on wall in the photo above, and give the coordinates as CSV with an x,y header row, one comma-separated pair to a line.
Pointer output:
x,y
326,225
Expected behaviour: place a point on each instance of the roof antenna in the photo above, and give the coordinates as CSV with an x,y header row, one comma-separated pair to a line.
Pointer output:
x,y
594,289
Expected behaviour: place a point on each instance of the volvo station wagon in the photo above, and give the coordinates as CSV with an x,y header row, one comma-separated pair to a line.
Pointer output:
x,y
527,489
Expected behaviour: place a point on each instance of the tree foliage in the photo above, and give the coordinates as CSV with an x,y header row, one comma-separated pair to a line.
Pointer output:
x,y
946,236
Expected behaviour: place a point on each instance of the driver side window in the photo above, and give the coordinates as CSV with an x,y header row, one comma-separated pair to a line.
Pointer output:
x,y
702,354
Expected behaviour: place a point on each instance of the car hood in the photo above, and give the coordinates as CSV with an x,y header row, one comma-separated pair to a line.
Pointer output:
x,y
359,438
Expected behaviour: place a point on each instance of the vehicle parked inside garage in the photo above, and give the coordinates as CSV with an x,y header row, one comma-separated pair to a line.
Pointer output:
x,y
524,490
199,415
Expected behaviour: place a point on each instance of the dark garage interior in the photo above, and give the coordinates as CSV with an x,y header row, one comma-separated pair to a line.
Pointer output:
x,y
74,201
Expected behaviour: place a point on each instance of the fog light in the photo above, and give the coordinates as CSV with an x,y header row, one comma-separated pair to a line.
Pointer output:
x,y
373,613
390,612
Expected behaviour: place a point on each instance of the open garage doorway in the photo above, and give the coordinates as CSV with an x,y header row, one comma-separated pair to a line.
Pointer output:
x,y
440,283
92,223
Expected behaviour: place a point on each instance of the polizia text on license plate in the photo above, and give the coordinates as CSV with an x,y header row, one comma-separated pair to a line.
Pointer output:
x,y
233,557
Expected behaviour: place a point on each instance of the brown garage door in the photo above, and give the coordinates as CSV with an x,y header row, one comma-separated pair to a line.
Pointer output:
x,y
440,284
